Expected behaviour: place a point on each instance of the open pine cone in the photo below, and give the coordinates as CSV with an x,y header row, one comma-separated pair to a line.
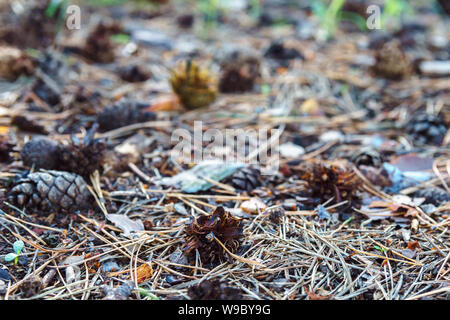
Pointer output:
x,y
327,179
200,234
47,191
194,85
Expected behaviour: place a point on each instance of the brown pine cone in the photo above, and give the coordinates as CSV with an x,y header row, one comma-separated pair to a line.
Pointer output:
x,y
239,71
41,152
329,179
47,191
246,179
200,234
98,46
134,73
391,62
214,290
124,113
82,157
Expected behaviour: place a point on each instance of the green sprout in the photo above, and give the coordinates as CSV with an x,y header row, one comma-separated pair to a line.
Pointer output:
x,y
210,12
393,12
329,17
17,247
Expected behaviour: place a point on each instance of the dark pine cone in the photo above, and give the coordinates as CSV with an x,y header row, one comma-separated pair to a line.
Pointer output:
x,y
278,51
200,234
434,195
214,290
427,128
445,4
82,157
99,46
185,21
5,148
239,70
246,179
368,157
391,62
124,113
47,191
40,152
134,73
327,179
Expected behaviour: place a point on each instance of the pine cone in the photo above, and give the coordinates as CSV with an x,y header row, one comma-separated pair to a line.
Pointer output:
x,y
124,113
47,191
5,148
434,195
278,51
99,46
239,70
327,179
214,290
36,28
246,179
391,62
445,4
82,157
134,73
426,128
14,63
194,86
46,93
222,225
40,152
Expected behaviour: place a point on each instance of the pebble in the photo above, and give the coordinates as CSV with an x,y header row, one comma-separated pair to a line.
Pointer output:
x,y
435,68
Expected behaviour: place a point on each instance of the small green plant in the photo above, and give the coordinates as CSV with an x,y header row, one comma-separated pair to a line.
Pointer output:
x,y
393,12
329,17
14,256
210,10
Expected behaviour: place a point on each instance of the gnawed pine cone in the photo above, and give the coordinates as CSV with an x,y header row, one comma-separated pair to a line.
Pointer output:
x,y
98,46
239,71
47,191
82,156
124,113
202,231
214,290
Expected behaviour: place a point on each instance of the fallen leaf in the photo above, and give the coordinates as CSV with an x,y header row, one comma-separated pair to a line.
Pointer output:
x,y
127,225
143,272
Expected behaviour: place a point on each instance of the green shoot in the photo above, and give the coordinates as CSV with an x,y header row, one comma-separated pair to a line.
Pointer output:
x,y
17,247
329,17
